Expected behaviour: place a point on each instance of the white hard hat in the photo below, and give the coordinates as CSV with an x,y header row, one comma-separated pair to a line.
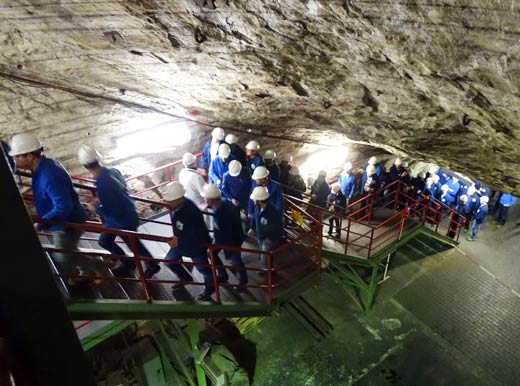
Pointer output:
x,y
463,198
322,173
88,155
188,159
429,182
224,150
260,172
471,190
422,175
173,191
253,145
218,133
433,169
286,157
484,199
372,161
269,154
210,191
445,188
347,166
398,161
260,193
335,187
231,138
24,143
435,178
294,171
235,167
371,169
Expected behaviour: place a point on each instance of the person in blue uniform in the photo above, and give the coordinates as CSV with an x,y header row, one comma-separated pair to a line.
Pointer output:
x,y
320,190
285,166
190,239
482,189
347,182
210,150
445,197
479,218
505,202
7,149
220,165
116,209
261,178
236,149
266,223
227,231
254,159
236,185
274,169
55,200
399,173
295,185
369,185
471,206
453,185
373,161
435,189
457,216
444,176
336,202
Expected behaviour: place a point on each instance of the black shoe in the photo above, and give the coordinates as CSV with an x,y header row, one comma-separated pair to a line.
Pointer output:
x,y
177,286
205,296
149,272
337,235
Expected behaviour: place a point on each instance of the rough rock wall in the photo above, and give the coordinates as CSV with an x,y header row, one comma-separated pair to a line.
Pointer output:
x,y
436,80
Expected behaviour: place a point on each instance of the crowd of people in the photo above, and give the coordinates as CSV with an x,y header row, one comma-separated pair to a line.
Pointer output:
x,y
230,194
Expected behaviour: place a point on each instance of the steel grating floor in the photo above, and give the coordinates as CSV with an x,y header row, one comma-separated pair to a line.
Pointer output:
x,y
471,310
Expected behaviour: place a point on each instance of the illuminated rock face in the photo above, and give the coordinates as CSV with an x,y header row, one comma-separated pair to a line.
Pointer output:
x,y
437,82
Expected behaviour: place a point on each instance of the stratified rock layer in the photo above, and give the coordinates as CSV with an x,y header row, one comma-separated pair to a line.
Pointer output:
x,y
437,80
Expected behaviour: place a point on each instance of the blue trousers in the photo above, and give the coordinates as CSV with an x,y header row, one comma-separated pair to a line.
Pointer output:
x,y
475,229
107,241
238,265
502,213
201,262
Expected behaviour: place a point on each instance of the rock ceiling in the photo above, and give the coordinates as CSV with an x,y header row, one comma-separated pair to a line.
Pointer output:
x,y
437,80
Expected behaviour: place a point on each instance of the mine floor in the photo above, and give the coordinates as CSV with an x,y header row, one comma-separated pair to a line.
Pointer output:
x,y
446,316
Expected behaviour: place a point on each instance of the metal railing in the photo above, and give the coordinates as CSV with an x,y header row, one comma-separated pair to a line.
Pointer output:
x,y
364,235
299,254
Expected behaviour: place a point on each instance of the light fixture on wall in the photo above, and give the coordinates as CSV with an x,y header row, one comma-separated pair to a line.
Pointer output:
x,y
153,134
326,159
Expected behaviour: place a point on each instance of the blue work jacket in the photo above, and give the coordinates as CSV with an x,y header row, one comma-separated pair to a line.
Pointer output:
x,y
257,160
205,159
54,195
267,224
116,208
189,226
218,168
237,187
275,196
347,183
228,225
481,213
453,189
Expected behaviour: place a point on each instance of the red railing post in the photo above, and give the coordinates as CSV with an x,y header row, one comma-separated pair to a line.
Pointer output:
x,y
214,273
370,208
371,241
347,237
403,216
459,227
169,175
270,276
438,217
137,262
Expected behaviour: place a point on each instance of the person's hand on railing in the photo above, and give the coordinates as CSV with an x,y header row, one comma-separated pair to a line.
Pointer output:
x,y
173,242
251,233
234,201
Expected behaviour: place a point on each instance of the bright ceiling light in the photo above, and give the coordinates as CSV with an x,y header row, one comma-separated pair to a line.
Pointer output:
x,y
152,135
326,159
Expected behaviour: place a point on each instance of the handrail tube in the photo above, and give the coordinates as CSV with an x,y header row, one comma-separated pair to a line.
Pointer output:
x,y
214,275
